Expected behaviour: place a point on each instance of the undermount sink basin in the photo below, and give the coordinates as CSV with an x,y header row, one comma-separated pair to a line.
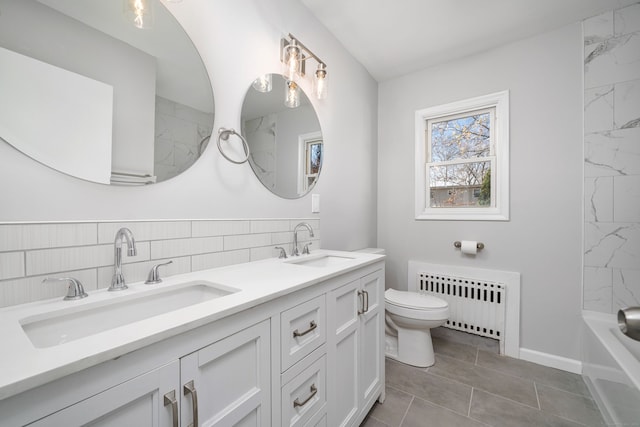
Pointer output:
x,y
320,261
66,325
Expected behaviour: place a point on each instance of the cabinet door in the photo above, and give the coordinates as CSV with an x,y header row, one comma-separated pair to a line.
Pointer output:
x,y
372,343
231,380
344,341
137,402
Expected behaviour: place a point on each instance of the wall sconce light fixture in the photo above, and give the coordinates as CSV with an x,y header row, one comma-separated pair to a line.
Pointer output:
x,y
138,12
293,56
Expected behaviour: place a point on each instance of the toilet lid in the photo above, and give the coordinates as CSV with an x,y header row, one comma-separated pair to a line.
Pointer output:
x,y
413,299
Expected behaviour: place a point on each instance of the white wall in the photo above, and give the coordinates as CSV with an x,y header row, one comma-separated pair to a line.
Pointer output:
x,y
542,240
213,187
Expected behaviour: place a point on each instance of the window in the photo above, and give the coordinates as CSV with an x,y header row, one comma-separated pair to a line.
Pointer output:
x,y
310,160
462,154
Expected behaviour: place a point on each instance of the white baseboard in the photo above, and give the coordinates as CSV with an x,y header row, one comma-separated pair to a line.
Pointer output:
x,y
551,360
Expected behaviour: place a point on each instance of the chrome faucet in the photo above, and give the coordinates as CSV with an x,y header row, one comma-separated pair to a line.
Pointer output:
x,y
295,251
117,282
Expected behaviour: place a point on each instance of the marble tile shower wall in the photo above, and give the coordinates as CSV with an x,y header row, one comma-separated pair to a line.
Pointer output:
x,y
31,252
612,160
179,132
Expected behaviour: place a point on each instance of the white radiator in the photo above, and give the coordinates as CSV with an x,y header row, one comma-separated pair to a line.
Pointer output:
x,y
475,306
482,302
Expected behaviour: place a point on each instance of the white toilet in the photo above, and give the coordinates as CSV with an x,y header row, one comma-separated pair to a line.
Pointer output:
x,y
409,319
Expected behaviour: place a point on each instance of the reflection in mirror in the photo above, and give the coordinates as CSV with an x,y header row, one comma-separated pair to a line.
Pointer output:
x,y
286,143
87,93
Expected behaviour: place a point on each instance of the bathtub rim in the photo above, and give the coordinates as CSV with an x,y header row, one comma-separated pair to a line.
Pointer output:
x,y
601,325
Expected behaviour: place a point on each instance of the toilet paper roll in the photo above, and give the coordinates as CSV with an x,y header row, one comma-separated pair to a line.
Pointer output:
x,y
469,247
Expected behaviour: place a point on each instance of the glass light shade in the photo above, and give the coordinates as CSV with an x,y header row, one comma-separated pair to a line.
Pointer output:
x,y
138,12
292,60
291,94
263,83
320,83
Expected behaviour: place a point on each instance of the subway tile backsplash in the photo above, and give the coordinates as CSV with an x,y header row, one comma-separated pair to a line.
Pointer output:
x,y
29,253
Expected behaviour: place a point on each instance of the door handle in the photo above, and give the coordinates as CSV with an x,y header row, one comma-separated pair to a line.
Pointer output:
x,y
361,294
170,399
189,388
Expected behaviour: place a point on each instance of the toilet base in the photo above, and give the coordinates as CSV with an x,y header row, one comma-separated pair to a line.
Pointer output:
x,y
411,346
391,346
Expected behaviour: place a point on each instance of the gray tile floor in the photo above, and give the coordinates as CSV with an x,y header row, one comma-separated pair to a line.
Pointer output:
x,y
472,385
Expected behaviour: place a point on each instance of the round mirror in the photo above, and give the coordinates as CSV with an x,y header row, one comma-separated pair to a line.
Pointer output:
x,y
284,136
110,91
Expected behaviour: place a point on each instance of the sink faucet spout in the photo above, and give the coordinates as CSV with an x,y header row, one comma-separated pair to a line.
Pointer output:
x,y
295,251
118,282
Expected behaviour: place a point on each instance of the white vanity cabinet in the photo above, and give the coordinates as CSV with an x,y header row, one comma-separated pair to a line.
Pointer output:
x,y
356,337
225,365
310,357
137,402
223,384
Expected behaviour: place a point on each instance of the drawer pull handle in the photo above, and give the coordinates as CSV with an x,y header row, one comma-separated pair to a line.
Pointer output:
x,y
314,391
312,326
170,399
366,297
189,388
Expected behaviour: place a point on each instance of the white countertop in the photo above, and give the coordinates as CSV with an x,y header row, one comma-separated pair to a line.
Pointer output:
x,y
23,366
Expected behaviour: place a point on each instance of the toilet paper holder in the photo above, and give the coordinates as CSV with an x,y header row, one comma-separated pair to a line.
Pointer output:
x,y
458,244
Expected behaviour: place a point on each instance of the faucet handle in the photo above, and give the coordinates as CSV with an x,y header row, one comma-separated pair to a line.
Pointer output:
x,y
154,274
305,250
75,290
282,254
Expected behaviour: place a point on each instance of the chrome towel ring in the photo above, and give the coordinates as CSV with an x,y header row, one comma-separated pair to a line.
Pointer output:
x,y
223,134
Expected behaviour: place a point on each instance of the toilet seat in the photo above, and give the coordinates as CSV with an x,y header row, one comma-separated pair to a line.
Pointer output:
x,y
413,300
414,305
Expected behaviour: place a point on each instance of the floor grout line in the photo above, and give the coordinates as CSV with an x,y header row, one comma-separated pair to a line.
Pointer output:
x,y
413,397
537,396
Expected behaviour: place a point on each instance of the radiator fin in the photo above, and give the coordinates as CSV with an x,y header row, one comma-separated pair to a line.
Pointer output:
x,y
475,306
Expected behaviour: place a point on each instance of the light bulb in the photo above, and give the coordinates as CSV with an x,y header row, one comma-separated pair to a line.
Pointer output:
x,y
320,82
139,13
263,83
291,56
291,95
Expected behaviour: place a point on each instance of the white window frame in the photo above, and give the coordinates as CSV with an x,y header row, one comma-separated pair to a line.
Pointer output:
x,y
303,177
499,210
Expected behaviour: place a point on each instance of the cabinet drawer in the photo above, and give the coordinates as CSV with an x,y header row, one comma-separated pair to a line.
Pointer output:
x,y
303,329
305,395
318,420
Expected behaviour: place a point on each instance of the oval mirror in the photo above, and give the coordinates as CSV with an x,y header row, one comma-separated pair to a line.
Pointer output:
x,y
285,141
103,90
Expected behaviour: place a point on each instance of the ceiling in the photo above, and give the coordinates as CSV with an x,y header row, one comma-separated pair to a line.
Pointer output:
x,y
395,37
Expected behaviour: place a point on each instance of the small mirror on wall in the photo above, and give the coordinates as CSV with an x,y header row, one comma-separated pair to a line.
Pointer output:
x,y
284,135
